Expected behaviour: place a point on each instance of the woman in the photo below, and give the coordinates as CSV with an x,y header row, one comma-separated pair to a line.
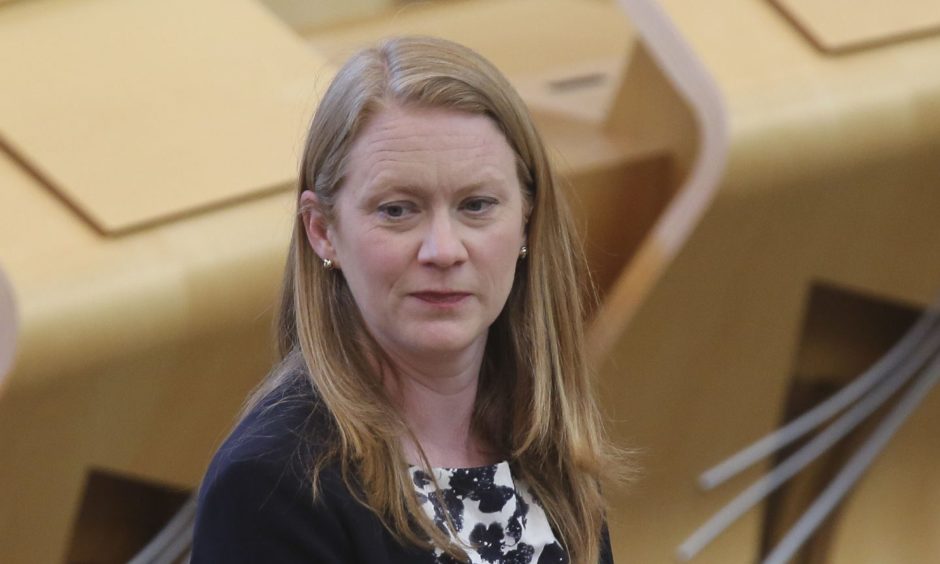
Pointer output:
x,y
432,403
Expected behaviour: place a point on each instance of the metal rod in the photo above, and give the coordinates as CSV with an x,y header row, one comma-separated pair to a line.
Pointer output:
x,y
853,470
173,540
809,452
825,410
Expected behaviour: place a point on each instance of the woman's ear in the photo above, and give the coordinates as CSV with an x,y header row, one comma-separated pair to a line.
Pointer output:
x,y
318,231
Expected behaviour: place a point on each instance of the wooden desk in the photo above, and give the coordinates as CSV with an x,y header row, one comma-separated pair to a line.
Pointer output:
x,y
830,175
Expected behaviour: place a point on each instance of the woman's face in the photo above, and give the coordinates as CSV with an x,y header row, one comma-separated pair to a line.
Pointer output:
x,y
427,229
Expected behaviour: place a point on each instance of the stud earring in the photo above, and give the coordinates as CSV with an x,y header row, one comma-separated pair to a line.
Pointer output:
x,y
523,252
328,264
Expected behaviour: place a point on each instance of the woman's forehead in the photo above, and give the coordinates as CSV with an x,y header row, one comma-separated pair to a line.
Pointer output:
x,y
427,143
398,128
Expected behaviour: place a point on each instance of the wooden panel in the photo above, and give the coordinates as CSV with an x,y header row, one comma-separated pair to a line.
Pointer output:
x,y
137,111
8,325
519,36
837,25
829,176
314,14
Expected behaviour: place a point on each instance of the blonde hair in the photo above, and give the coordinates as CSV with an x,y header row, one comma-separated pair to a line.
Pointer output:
x,y
534,397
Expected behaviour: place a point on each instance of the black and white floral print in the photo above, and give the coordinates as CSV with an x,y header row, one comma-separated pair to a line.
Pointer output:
x,y
497,517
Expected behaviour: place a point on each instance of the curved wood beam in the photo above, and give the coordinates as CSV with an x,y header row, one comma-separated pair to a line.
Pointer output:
x,y
9,322
692,81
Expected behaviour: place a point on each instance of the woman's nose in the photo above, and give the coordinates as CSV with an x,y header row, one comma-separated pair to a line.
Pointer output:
x,y
442,245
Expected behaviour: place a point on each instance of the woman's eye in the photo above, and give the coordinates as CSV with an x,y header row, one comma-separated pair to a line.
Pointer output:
x,y
395,210
479,205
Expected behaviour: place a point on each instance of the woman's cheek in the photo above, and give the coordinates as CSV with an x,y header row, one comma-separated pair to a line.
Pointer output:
x,y
386,255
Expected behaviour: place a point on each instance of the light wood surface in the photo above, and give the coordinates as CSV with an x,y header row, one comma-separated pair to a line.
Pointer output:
x,y
317,14
135,350
136,111
841,25
830,176
133,354
522,37
9,325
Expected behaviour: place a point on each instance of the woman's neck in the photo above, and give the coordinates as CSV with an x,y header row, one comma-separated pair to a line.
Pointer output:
x,y
437,402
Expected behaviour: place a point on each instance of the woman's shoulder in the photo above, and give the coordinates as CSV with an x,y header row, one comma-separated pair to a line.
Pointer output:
x,y
280,435
256,499
287,417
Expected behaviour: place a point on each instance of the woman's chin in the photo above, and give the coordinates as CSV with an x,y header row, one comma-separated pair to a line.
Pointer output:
x,y
437,342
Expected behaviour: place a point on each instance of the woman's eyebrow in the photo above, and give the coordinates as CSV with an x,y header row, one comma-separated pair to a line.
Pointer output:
x,y
490,184
380,191
410,190
383,187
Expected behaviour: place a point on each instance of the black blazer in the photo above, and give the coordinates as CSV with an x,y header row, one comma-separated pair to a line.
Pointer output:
x,y
255,501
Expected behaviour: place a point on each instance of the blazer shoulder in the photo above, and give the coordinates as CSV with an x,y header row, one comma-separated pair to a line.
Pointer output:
x,y
256,500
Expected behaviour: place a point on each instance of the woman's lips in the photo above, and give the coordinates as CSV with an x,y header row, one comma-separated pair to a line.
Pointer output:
x,y
441,298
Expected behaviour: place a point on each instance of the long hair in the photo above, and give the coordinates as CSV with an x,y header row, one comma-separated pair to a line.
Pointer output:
x,y
534,396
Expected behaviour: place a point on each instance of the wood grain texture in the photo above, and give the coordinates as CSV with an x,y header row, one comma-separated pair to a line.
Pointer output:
x,y
844,25
139,111
831,174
